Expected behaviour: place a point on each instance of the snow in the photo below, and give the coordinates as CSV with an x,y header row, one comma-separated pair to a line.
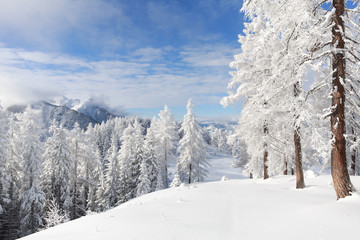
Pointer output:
x,y
232,209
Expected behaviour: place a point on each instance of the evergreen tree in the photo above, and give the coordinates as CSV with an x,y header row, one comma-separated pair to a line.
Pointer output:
x,y
192,164
112,174
166,135
4,175
58,168
31,196
11,216
78,200
126,153
137,159
144,185
91,169
150,157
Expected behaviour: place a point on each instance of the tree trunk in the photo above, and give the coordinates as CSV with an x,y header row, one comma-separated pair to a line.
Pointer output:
x,y
285,166
298,160
339,172
297,144
190,173
266,173
166,183
353,155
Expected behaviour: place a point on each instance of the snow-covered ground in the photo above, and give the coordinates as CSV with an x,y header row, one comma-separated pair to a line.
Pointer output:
x,y
233,209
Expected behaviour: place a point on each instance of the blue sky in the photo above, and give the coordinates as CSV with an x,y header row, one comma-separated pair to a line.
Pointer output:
x,y
137,55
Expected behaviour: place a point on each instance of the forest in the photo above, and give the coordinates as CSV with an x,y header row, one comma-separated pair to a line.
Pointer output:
x,y
297,77
53,175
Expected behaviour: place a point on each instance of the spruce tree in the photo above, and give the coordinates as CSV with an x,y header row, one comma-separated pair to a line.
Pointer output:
x,y
32,197
192,164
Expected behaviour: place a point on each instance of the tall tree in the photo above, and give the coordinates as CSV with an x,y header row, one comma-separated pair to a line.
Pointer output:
x,y
4,174
342,184
166,135
78,200
14,172
112,174
191,163
31,197
58,168
150,156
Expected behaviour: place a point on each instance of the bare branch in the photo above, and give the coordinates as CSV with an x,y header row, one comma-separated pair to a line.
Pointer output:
x,y
314,90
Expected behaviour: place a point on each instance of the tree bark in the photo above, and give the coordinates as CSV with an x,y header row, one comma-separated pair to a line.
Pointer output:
x,y
166,180
297,142
266,172
298,160
285,166
353,155
339,172
190,173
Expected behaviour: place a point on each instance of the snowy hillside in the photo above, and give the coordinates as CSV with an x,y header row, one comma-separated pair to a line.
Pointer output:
x,y
97,110
233,209
60,113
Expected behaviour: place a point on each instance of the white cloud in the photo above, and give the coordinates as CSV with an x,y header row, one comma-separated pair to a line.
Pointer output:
x,y
210,55
131,82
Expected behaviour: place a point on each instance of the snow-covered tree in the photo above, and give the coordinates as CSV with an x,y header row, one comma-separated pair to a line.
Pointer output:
x,y
166,135
54,216
91,168
238,150
112,174
150,157
191,164
32,197
137,159
4,174
176,181
58,168
11,216
78,200
131,155
144,185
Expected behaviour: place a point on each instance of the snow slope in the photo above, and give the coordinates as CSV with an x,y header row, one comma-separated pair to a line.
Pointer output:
x,y
233,209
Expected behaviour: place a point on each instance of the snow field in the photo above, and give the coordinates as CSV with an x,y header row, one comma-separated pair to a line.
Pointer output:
x,y
233,209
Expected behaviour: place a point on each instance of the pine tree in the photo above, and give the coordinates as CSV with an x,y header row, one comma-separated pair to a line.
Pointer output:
x,y
166,135
4,175
126,154
144,185
91,169
14,172
112,174
78,200
31,196
150,157
58,168
137,159
192,164
176,181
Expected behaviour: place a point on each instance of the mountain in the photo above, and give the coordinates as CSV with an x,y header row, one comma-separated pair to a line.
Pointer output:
x,y
61,114
96,110
69,111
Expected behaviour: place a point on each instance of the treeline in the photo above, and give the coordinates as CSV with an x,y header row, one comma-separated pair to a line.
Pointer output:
x,y
50,176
